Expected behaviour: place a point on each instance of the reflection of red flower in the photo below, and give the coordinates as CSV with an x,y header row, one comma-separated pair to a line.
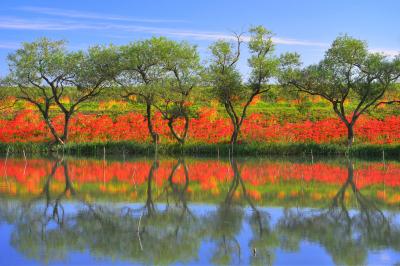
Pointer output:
x,y
395,199
281,195
316,196
256,195
381,194
205,176
208,174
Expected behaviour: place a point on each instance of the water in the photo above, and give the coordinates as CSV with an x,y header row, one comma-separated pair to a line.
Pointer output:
x,y
280,211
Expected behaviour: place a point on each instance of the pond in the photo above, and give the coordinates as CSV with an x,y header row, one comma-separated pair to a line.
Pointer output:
x,y
123,211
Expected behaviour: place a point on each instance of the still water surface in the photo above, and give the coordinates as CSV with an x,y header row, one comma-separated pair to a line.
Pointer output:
x,y
279,211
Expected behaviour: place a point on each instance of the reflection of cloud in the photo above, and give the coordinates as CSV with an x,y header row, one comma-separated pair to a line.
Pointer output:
x,y
51,25
88,15
387,52
385,257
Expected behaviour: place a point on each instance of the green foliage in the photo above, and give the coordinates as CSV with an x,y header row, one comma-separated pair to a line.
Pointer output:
x,y
167,74
35,60
263,63
43,69
140,69
94,68
226,81
348,71
223,74
34,64
181,74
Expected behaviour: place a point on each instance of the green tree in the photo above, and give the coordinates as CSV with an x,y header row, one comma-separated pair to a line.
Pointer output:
x,y
140,73
226,80
87,74
4,96
45,72
348,73
181,65
32,68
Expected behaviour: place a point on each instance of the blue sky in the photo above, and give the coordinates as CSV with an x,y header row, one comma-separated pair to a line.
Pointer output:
x,y
307,26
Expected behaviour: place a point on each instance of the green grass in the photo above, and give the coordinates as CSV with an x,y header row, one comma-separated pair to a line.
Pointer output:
x,y
282,109
250,149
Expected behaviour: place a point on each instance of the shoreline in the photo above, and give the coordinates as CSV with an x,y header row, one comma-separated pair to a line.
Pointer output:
x,y
125,148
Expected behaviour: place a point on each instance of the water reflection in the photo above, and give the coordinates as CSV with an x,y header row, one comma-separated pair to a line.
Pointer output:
x,y
346,235
168,222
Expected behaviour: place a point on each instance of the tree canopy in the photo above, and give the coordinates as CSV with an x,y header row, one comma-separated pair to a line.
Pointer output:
x,y
163,74
348,71
226,80
44,68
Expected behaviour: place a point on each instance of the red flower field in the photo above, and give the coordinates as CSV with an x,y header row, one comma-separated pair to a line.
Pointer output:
x,y
207,127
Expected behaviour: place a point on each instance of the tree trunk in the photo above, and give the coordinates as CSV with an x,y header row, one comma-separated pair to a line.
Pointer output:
x,y
350,135
235,125
64,137
181,139
153,134
235,134
53,131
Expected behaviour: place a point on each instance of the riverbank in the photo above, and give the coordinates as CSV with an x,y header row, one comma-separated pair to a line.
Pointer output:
x,y
248,149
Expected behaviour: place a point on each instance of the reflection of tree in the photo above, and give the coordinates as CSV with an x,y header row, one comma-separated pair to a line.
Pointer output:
x,y
54,210
238,180
48,228
346,235
368,209
106,232
264,239
149,206
38,226
165,237
227,221
159,241
179,191
149,201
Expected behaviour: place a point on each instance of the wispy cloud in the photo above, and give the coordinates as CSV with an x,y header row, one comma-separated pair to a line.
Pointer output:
x,y
89,15
24,24
54,25
9,45
387,52
298,42
212,36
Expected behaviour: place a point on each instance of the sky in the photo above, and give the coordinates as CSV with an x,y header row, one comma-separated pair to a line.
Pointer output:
x,y
307,27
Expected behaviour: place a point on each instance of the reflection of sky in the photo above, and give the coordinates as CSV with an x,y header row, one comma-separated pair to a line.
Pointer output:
x,y
308,253
8,255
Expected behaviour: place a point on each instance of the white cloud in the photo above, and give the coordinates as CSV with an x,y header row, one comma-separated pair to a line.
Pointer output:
x,y
298,42
387,52
9,45
88,15
202,35
52,25
23,24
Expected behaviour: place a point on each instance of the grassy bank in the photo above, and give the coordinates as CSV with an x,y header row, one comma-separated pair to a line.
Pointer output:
x,y
252,149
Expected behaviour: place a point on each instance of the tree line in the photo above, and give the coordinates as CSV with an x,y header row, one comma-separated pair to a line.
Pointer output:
x,y
163,73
